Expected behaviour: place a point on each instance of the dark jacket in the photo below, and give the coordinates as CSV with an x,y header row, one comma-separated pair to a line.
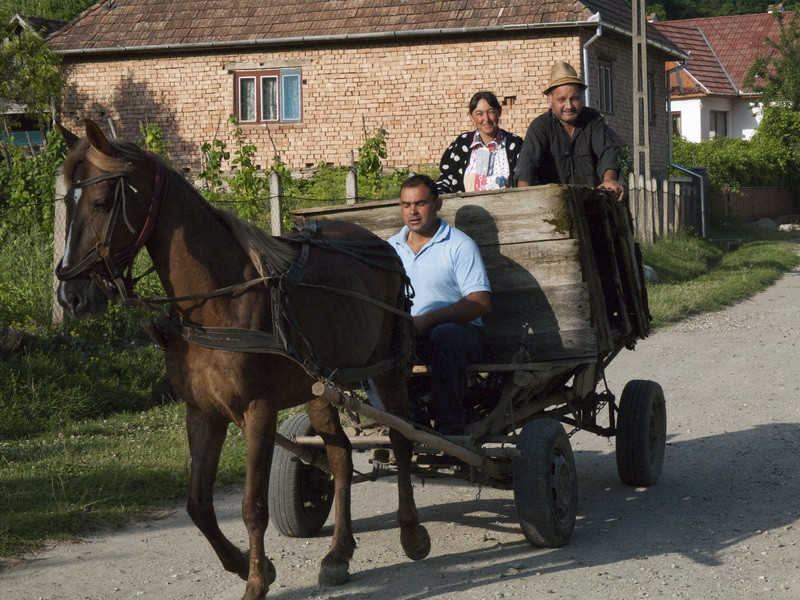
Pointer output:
x,y
550,155
456,158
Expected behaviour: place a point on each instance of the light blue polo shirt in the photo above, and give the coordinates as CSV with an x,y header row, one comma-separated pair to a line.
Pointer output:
x,y
448,268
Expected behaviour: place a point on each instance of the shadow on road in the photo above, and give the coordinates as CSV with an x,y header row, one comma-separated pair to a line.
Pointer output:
x,y
718,491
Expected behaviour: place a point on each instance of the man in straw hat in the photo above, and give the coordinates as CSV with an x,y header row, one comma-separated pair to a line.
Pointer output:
x,y
569,143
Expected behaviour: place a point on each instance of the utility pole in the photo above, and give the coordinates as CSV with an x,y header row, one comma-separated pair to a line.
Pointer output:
x,y
641,102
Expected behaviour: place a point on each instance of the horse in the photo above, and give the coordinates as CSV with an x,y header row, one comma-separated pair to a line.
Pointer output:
x,y
323,301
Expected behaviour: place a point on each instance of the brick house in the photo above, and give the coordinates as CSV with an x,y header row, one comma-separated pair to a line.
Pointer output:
x,y
308,78
708,97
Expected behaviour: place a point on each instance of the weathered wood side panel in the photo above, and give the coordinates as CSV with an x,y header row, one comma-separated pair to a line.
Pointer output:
x,y
512,216
552,321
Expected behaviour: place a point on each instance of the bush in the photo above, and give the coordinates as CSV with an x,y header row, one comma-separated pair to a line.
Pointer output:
x,y
734,163
27,184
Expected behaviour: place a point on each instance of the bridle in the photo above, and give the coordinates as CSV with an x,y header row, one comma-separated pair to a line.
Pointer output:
x,y
114,271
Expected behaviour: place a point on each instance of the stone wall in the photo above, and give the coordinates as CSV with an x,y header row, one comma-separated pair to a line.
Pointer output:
x,y
417,90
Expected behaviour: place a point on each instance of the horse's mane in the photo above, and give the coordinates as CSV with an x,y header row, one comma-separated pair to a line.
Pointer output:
x,y
268,254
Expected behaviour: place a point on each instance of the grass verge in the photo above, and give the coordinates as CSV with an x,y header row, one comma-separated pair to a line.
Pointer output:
x,y
696,277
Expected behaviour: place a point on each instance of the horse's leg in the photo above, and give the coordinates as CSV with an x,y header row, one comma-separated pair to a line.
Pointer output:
x,y
260,420
414,537
206,437
325,421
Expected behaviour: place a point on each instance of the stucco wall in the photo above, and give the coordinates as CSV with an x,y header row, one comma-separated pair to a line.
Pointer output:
x,y
743,116
417,91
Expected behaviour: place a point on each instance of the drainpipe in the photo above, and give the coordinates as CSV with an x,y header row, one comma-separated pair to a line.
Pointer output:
x,y
591,40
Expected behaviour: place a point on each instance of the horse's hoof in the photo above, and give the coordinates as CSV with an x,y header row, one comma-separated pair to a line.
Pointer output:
x,y
334,574
239,565
417,547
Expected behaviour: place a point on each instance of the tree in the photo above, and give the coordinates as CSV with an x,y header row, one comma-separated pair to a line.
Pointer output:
x,y
29,75
63,10
691,9
776,73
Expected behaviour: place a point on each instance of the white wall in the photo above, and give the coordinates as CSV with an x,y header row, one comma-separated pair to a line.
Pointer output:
x,y
743,116
691,123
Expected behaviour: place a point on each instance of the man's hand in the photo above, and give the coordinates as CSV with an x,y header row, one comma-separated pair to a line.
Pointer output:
x,y
610,184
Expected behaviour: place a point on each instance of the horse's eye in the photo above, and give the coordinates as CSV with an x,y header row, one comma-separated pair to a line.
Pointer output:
x,y
102,205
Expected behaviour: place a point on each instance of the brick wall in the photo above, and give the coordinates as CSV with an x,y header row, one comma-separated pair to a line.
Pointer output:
x,y
417,91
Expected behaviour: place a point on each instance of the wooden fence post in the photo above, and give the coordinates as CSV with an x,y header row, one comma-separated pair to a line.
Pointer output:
x,y
59,240
276,203
351,186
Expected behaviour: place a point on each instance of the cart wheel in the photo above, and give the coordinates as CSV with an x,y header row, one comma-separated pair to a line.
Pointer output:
x,y
641,433
300,495
545,484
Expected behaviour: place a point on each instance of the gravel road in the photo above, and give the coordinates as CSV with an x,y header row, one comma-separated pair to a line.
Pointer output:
x,y
723,522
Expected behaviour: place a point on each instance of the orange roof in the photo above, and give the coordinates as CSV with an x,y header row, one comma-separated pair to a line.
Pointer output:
x,y
723,48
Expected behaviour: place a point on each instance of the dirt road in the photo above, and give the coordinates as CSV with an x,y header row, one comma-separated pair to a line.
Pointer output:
x,y
724,521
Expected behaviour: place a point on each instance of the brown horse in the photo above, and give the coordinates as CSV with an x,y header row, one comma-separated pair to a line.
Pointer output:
x,y
121,199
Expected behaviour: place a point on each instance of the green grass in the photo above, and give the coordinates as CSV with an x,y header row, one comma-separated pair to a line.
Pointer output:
x,y
98,473
695,276
46,389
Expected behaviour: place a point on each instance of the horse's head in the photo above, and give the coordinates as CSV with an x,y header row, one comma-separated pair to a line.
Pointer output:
x,y
108,218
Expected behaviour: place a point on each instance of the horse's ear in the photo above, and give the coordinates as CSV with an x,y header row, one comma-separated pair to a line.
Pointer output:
x,y
70,138
97,138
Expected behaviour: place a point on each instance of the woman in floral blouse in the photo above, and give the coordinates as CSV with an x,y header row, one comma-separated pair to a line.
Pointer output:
x,y
483,159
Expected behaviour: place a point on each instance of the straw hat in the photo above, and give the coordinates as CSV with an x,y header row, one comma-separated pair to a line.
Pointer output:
x,y
562,74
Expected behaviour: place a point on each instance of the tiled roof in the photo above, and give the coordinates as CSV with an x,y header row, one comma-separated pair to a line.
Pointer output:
x,y
130,24
735,40
704,74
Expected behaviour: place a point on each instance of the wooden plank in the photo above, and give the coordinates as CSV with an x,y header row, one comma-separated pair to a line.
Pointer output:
x,y
531,309
544,263
501,216
590,273
567,345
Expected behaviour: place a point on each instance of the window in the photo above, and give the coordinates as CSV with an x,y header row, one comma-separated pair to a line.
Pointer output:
x,y
268,96
605,87
676,124
718,126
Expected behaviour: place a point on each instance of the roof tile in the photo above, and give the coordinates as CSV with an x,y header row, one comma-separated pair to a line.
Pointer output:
x,y
733,41
113,24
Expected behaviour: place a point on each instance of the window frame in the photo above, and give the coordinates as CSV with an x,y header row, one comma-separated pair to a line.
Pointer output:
x,y
651,98
676,118
712,121
288,109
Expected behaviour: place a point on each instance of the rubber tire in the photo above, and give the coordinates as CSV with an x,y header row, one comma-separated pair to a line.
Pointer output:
x,y
641,433
300,495
545,484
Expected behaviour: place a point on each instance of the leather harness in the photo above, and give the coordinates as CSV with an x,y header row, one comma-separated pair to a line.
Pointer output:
x,y
113,273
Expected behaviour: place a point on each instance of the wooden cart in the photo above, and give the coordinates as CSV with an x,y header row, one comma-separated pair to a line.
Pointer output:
x,y
568,294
